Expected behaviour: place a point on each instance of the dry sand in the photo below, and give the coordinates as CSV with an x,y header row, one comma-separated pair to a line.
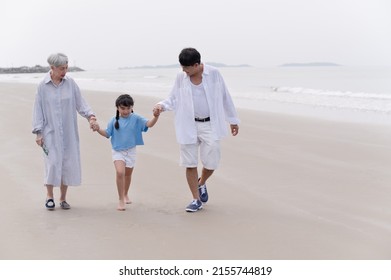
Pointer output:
x,y
288,188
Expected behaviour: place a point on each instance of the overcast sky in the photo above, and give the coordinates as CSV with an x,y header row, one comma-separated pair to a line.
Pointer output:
x,y
97,34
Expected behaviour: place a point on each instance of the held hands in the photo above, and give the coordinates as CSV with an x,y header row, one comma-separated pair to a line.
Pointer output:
x,y
156,113
94,125
157,110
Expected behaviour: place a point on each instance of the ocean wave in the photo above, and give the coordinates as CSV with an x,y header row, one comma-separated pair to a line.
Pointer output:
x,y
252,90
299,90
151,77
336,100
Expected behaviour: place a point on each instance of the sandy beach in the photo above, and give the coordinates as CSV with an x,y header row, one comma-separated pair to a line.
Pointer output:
x,y
290,188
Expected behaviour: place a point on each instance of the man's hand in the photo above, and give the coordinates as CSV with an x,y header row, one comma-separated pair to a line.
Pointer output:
x,y
234,129
157,110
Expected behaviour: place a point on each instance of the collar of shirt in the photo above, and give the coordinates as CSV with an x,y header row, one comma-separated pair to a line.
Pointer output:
x,y
205,72
47,79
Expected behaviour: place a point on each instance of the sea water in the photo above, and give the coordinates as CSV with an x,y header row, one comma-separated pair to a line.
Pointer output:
x,y
360,94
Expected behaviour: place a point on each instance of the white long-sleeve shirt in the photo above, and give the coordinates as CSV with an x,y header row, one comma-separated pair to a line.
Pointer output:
x,y
221,107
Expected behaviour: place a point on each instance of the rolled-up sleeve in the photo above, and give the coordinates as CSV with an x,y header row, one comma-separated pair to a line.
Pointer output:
x,y
170,103
82,106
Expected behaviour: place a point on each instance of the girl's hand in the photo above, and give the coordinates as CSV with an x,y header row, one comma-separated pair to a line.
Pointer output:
x,y
95,126
156,112
93,123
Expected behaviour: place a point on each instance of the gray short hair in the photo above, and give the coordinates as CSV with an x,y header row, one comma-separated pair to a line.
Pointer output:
x,y
57,59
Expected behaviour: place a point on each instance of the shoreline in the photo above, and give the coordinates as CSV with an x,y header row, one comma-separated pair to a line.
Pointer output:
x,y
288,188
288,109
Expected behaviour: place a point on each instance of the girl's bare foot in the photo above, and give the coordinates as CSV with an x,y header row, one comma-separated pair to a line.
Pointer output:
x,y
121,206
127,200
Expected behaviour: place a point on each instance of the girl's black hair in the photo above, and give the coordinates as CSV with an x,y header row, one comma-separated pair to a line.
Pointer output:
x,y
123,100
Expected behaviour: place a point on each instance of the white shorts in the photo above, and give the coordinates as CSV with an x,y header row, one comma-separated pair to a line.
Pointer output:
x,y
209,149
128,156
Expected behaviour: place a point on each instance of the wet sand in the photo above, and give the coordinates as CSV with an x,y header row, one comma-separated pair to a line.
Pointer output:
x,y
288,187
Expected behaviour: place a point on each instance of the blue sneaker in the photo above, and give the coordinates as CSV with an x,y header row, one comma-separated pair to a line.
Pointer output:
x,y
194,206
203,193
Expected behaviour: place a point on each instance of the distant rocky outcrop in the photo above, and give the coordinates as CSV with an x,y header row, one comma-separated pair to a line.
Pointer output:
x,y
215,64
311,64
33,69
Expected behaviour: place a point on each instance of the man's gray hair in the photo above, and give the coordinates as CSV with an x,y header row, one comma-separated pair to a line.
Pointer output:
x,y
57,59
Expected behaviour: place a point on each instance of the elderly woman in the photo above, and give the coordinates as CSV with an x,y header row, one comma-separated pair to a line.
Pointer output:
x,y
57,101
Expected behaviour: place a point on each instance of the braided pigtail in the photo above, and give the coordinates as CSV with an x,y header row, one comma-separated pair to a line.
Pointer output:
x,y
116,125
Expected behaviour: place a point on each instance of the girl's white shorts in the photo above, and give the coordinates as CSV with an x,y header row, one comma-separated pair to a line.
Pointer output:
x,y
128,156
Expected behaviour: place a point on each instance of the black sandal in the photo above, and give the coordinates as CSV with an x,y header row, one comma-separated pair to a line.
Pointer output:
x,y
64,205
50,204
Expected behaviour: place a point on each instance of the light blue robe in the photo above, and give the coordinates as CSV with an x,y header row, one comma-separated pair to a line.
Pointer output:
x,y
55,117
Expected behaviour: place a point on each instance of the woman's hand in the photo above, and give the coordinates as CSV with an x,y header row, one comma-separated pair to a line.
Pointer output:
x,y
93,123
39,140
95,126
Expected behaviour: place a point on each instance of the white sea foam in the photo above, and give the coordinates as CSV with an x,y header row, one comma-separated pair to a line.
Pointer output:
x,y
319,91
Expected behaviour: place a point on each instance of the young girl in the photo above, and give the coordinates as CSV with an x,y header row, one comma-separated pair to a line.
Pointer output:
x,y
125,131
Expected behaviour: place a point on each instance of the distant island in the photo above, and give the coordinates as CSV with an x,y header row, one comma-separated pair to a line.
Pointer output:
x,y
309,64
33,69
215,64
